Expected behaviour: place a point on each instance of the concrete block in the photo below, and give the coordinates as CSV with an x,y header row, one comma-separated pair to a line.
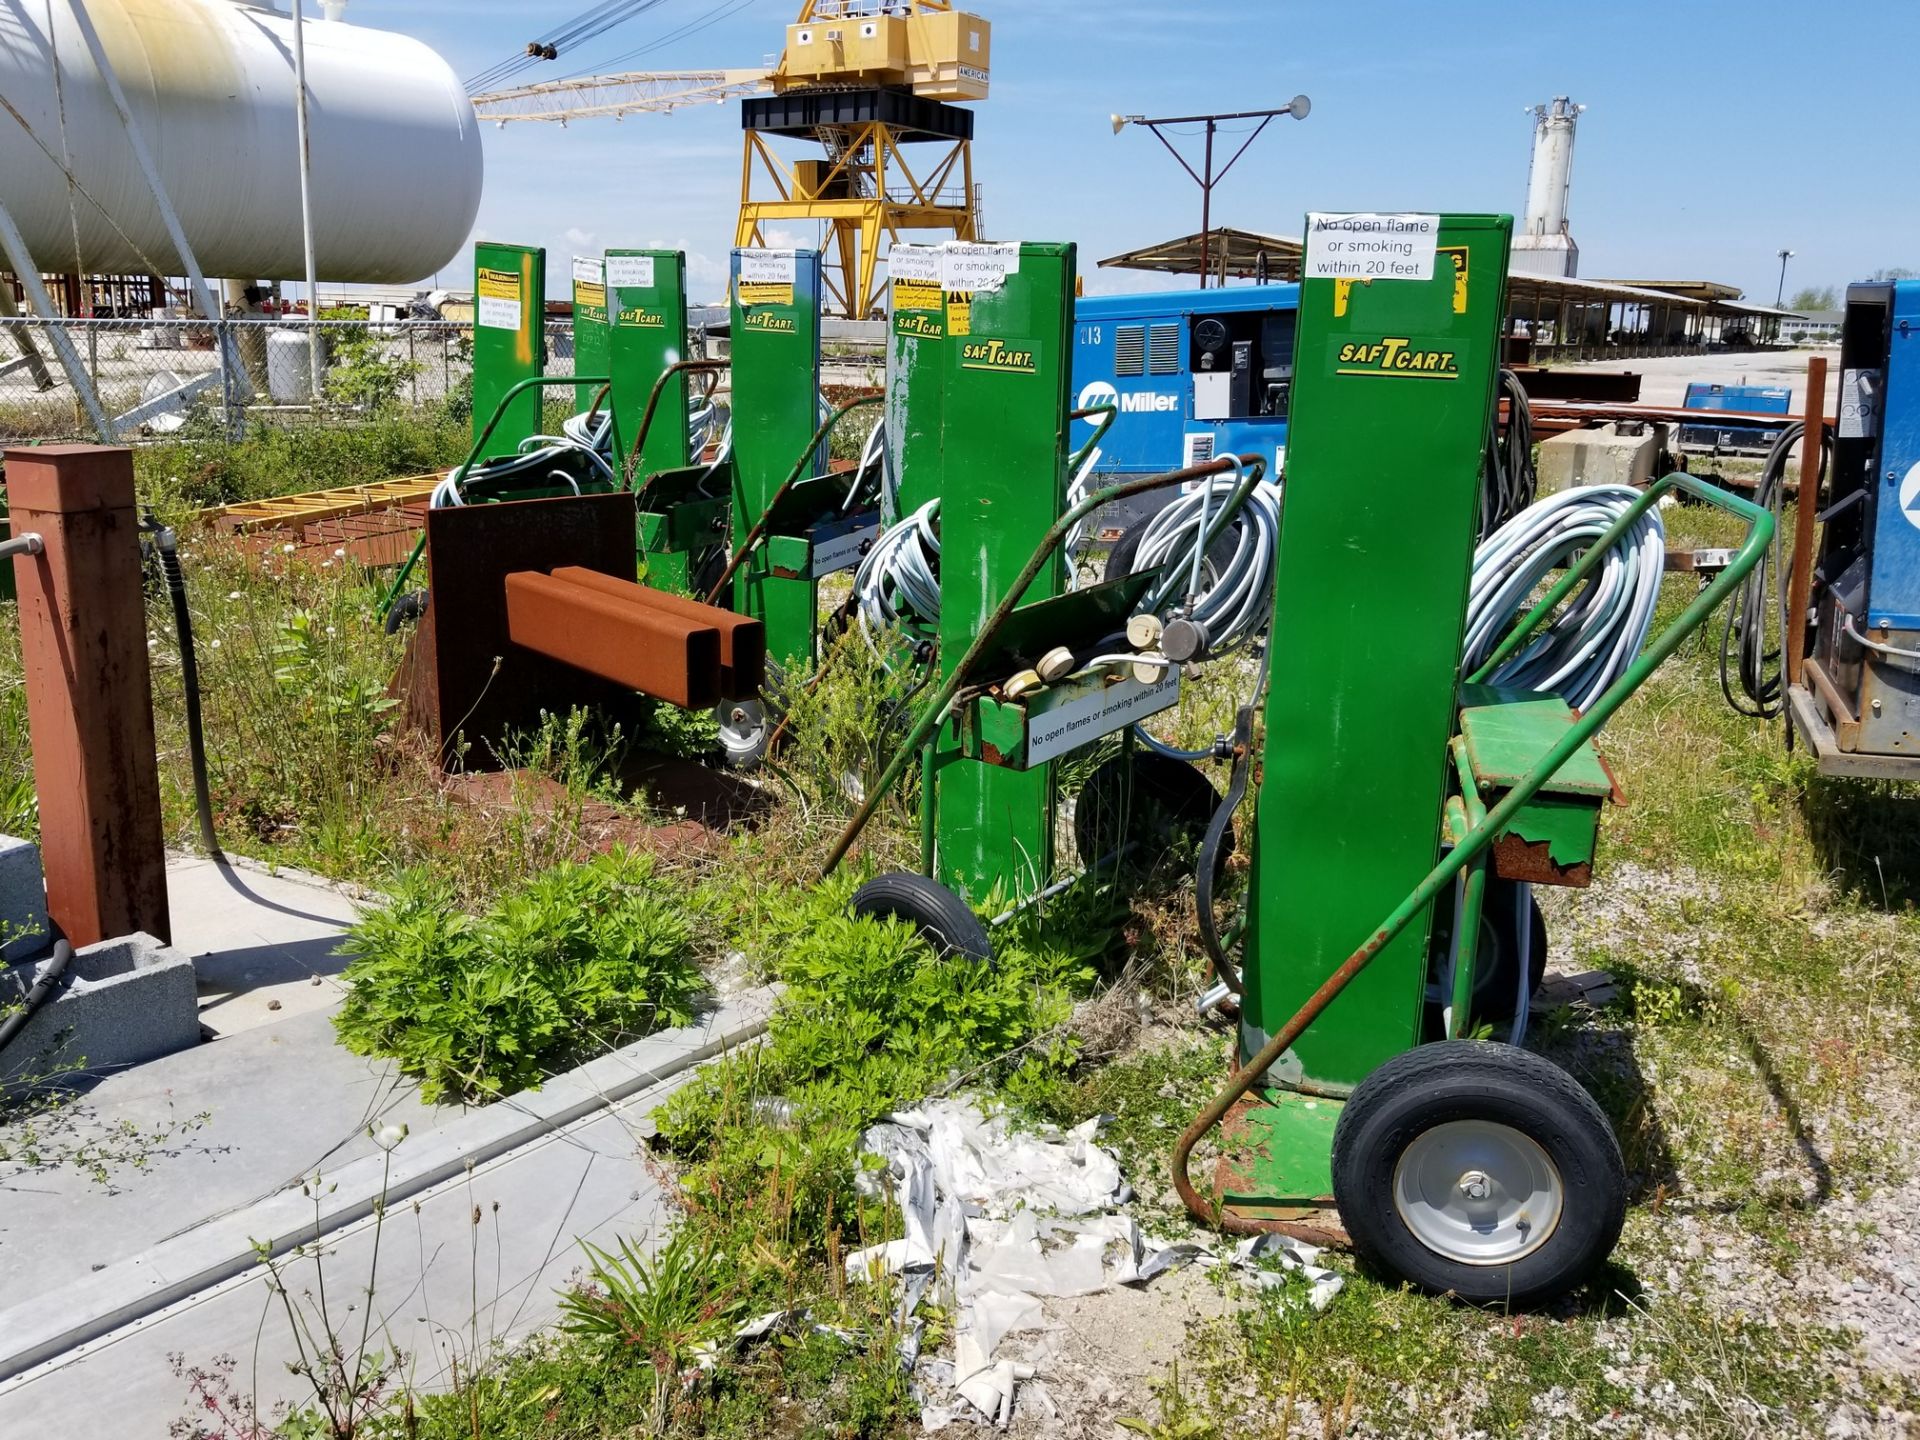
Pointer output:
x,y
1622,452
23,900
120,1002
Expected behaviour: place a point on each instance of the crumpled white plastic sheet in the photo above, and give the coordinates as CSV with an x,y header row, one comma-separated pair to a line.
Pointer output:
x,y
1000,1218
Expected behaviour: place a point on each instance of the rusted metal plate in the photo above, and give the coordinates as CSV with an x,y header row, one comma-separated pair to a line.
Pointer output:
x,y
618,637
743,640
1516,858
483,685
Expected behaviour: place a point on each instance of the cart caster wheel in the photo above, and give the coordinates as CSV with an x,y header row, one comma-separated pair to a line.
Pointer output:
x,y
1154,800
1481,1171
743,732
941,917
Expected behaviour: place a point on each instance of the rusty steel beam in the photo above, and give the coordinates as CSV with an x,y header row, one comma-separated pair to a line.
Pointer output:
x,y
743,640
83,642
617,637
1799,577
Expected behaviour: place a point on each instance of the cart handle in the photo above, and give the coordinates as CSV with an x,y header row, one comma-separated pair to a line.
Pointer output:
x,y
794,477
1108,413
1482,833
936,710
679,367
532,382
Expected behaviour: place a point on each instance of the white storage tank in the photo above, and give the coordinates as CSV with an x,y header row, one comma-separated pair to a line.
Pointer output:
x,y
289,370
396,164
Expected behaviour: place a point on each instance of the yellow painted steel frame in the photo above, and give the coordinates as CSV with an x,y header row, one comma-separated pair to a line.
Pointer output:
x,y
864,210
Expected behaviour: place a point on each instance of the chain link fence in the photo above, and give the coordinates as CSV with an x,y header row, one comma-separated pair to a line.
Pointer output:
x,y
153,377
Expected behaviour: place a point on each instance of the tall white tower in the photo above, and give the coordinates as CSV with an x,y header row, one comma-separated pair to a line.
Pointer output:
x,y
1542,244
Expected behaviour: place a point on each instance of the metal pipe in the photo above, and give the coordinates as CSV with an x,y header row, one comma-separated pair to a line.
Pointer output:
x,y
1481,835
936,711
306,195
28,544
679,367
137,143
794,476
28,273
1800,576
1470,897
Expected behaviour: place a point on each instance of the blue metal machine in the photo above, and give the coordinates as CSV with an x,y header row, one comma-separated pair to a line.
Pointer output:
x,y
1754,399
1195,373
1859,701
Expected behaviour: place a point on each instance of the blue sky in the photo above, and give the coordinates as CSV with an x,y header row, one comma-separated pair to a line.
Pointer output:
x,y
1716,132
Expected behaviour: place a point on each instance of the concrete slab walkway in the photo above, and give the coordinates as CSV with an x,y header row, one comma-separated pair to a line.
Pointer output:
x,y
485,1207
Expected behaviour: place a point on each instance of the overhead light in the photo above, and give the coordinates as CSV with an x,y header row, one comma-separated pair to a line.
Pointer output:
x,y
1120,122
1299,107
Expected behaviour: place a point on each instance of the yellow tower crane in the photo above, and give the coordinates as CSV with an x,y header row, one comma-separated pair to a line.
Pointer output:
x,y
867,88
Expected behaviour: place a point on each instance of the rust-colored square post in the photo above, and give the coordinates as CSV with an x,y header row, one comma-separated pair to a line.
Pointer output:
x,y
83,641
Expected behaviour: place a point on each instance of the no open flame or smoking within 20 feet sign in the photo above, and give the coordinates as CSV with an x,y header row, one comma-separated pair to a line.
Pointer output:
x,y
1369,246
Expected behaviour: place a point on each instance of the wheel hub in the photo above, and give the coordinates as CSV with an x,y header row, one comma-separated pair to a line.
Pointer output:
x,y
1478,1192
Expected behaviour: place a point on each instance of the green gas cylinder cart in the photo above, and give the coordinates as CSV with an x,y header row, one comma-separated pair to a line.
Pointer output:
x,y
1402,811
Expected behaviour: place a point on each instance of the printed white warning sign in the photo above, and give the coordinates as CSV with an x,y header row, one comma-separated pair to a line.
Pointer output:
x,y
968,265
914,262
1369,246
766,267
635,271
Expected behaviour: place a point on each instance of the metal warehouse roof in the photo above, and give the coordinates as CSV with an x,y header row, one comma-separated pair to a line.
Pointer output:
x,y
1234,253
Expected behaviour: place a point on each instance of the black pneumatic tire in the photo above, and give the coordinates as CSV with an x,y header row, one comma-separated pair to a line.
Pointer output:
x,y
1119,563
941,917
1152,798
1497,1085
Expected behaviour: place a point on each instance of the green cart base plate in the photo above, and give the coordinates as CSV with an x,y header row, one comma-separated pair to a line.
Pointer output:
x,y
1277,1165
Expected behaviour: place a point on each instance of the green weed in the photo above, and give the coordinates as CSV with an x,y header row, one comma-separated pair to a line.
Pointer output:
x,y
577,959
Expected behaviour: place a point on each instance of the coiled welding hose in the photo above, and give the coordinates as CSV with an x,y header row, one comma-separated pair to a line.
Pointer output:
x,y
1222,583
1750,673
1510,483
589,434
1595,638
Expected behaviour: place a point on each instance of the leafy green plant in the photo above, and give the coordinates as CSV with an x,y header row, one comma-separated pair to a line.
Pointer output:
x,y
579,958
672,1308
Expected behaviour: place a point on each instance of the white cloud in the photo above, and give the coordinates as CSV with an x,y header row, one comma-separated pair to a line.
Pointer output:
x,y
578,238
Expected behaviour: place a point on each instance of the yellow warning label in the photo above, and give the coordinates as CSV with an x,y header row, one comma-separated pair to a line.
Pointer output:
x,y
996,355
960,313
916,295
589,294
1458,254
498,306
499,285
765,293
1397,355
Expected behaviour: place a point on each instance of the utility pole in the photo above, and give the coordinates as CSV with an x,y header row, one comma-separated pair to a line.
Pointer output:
x,y
315,363
1780,293
1205,177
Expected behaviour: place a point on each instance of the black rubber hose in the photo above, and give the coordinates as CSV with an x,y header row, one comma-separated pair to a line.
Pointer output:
x,y
166,546
1209,859
1758,689
43,988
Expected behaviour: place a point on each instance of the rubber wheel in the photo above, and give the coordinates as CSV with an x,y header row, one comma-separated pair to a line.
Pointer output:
x,y
1120,558
941,917
1480,1171
1160,803
1498,957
